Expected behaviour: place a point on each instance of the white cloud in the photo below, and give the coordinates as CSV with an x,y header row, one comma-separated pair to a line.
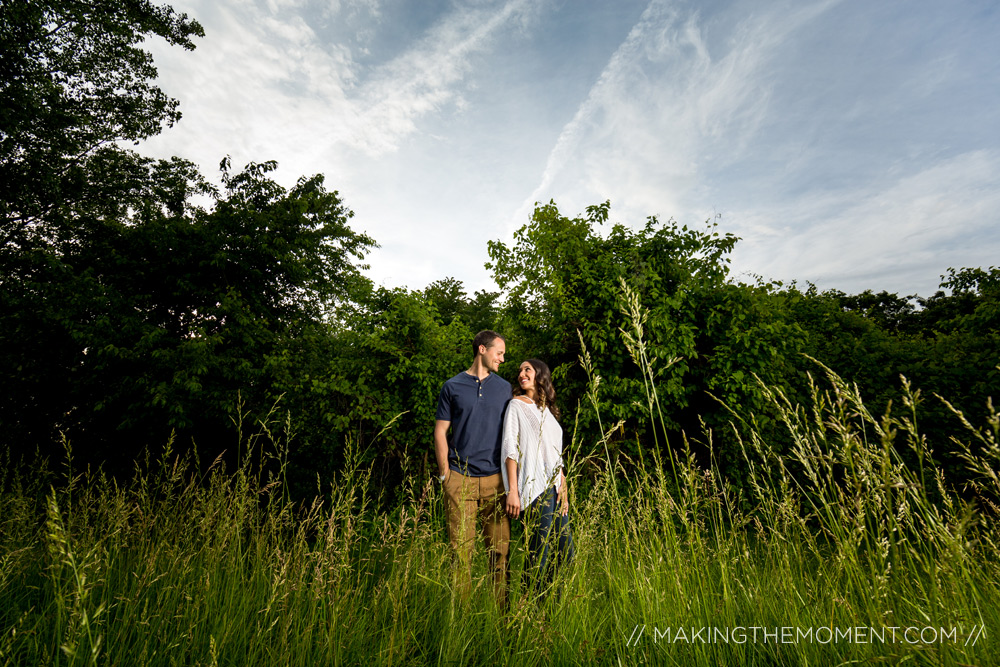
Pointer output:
x,y
257,87
684,120
885,238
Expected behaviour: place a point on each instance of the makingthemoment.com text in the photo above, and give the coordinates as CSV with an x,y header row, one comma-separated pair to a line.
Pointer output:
x,y
797,635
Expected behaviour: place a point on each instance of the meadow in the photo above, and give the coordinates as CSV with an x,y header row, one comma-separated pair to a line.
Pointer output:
x,y
838,551
140,298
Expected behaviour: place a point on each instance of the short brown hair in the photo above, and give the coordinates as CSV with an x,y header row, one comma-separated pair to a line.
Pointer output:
x,y
485,337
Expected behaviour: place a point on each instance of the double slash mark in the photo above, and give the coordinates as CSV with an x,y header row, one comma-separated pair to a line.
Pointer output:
x,y
640,629
976,634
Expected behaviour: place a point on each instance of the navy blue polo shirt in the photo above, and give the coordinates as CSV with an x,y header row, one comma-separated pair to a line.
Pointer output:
x,y
475,409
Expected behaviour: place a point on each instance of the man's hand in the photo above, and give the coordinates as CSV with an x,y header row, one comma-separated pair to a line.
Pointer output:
x,y
441,448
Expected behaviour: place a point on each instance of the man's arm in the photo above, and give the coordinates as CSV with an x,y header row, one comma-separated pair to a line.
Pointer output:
x,y
441,445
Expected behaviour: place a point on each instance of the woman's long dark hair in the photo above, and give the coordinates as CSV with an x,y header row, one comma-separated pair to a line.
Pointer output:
x,y
545,392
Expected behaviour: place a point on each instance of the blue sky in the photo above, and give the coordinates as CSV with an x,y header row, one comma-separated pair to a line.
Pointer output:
x,y
851,144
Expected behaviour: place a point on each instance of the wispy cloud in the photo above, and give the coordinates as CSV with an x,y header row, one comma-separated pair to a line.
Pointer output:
x,y
673,97
267,83
264,75
424,77
259,86
835,175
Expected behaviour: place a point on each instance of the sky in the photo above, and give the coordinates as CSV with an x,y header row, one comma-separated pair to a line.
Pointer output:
x,y
850,144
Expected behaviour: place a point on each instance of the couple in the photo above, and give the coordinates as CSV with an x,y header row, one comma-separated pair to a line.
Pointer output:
x,y
503,459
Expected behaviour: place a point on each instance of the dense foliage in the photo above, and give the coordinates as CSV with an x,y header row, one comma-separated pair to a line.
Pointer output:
x,y
706,336
715,344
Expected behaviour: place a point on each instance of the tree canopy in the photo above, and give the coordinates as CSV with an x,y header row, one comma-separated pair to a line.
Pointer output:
x,y
130,309
74,79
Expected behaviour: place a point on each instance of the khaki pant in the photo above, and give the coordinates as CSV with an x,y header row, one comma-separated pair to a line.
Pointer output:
x,y
472,500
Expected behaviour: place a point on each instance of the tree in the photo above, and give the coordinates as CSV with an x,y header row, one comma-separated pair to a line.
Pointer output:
x,y
564,277
158,317
74,84
889,312
946,346
449,298
73,80
129,310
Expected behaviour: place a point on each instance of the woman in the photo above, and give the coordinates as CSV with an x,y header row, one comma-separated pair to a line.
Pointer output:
x,y
533,469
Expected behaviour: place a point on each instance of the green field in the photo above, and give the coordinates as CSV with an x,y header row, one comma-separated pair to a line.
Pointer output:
x,y
839,554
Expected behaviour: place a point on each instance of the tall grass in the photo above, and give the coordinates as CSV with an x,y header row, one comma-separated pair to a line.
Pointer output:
x,y
838,537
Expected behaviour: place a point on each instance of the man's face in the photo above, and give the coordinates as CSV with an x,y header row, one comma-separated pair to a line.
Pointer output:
x,y
493,356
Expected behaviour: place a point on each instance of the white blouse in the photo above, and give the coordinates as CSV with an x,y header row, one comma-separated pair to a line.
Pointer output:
x,y
533,438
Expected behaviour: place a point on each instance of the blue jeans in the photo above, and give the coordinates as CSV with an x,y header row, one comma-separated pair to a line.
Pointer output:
x,y
549,536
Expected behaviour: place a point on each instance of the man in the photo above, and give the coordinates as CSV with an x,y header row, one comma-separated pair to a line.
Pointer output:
x,y
472,405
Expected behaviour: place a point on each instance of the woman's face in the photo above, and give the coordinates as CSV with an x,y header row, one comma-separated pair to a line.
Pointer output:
x,y
526,377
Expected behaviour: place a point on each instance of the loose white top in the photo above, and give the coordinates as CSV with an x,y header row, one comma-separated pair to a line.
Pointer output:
x,y
533,438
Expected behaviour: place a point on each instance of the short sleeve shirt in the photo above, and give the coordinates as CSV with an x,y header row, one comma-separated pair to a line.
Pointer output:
x,y
475,409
